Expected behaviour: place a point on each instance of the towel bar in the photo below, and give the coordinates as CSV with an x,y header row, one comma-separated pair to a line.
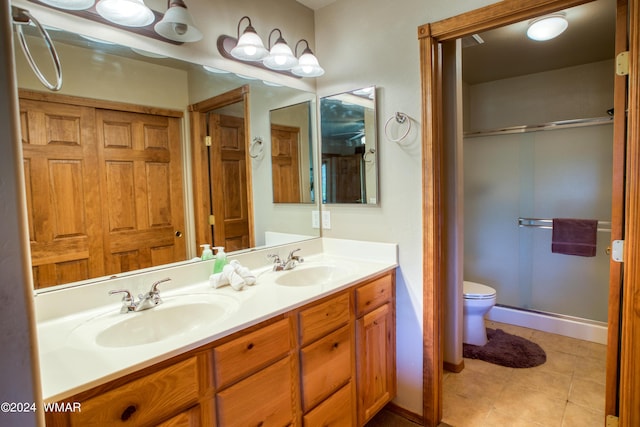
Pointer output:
x,y
548,224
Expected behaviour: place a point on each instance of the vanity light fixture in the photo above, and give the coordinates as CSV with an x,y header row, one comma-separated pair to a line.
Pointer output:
x,y
129,13
249,46
177,24
547,27
280,55
249,50
308,65
70,4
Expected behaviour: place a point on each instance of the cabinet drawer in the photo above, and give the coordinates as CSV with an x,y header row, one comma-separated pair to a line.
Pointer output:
x,y
189,418
323,318
263,399
145,400
373,294
325,366
336,411
250,352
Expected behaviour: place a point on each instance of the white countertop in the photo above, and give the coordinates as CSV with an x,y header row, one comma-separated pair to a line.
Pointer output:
x,y
70,364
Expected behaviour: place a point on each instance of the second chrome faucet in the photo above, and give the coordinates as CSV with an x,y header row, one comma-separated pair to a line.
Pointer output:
x,y
145,302
288,264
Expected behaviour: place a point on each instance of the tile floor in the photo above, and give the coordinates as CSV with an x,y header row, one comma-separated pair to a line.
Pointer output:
x,y
566,391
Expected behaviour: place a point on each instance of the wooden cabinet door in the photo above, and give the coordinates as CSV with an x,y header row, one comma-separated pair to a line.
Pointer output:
x,y
228,182
285,164
62,191
375,361
141,170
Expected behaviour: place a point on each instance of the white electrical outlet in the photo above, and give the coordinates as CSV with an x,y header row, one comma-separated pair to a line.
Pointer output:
x,y
326,220
315,219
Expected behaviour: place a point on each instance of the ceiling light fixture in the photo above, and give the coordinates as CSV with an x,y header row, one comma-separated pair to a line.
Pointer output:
x,y
547,27
177,24
249,50
249,46
70,4
308,65
129,13
280,55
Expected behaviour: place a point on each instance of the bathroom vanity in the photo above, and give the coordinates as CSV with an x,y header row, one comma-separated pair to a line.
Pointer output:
x,y
320,352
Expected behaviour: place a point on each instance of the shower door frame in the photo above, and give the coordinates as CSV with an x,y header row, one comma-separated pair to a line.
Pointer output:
x,y
625,207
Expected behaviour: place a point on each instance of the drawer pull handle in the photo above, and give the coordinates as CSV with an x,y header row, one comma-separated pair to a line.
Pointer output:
x,y
250,346
335,345
127,413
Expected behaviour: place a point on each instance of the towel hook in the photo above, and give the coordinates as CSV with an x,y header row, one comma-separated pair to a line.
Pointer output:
x,y
22,17
400,118
371,151
253,151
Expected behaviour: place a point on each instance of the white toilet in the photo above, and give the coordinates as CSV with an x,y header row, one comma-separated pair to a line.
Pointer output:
x,y
478,300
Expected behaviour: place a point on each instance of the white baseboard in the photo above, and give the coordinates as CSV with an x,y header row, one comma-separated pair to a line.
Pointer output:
x,y
573,327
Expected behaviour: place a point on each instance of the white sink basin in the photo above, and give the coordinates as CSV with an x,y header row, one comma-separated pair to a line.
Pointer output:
x,y
177,316
311,275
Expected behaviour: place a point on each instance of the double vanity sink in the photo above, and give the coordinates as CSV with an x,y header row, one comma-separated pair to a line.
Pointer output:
x,y
191,315
97,343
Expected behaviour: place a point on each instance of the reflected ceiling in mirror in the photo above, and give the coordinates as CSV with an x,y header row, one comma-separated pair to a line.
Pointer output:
x,y
349,163
111,73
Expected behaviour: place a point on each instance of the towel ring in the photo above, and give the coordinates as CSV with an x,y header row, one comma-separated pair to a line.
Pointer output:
x,y
401,118
371,151
23,17
253,151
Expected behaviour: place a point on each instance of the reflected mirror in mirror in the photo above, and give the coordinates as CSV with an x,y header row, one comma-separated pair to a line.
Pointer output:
x,y
292,154
100,80
349,164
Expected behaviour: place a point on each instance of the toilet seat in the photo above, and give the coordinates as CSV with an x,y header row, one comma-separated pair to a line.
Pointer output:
x,y
473,290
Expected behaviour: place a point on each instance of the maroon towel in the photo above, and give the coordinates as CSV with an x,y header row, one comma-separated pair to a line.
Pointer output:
x,y
574,236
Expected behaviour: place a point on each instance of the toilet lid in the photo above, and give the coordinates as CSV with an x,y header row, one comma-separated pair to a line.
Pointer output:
x,y
473,290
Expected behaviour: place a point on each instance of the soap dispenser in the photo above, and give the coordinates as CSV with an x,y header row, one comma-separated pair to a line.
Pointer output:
x,y
221,260
206,252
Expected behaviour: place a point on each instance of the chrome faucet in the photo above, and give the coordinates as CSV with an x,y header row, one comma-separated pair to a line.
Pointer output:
x,y
145,302
290,263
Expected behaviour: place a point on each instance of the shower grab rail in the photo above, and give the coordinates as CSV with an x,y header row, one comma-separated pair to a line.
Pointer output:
x,y
22,17
548,224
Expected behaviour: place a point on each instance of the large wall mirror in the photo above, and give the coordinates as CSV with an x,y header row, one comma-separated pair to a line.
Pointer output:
x,y
100,80
292,153
349,164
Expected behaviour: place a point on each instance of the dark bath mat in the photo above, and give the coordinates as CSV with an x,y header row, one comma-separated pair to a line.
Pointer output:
x,y
506,350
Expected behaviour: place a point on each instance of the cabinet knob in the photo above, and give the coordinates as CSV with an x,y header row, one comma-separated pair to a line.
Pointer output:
x,y
250,346
128,412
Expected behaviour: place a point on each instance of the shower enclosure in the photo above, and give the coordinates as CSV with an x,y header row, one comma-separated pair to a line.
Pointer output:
x,y
562,170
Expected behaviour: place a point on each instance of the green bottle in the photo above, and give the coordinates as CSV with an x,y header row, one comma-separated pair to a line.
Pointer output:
x,y
221,260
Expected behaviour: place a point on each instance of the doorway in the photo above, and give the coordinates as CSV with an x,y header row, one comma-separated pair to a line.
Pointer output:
x,y
223,197
436,125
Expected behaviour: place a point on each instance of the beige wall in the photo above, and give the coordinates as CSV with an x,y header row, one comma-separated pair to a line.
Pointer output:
x,y
374,42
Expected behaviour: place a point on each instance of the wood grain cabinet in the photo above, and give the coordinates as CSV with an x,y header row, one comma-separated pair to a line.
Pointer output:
x,y
326,360
330,363
255,376
375,340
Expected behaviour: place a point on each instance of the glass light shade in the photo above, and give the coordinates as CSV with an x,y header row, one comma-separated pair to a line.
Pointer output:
x,y
177,24
280,57
130,13
308,66
249,47
70,4
547,28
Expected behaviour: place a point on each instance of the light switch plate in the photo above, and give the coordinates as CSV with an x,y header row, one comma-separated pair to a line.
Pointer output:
x,y
315,219
326,220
